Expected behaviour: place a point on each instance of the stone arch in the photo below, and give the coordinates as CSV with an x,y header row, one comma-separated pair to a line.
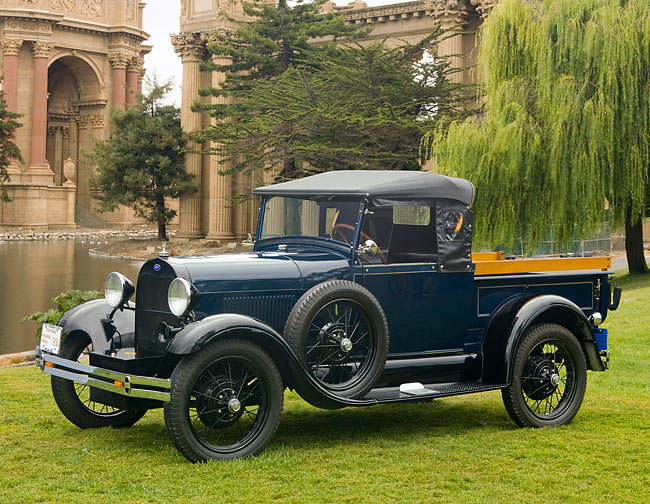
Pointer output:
x,y
76,104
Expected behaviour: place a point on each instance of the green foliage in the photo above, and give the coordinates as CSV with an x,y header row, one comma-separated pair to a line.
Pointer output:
x,y
567,121
351,107
144,160
62,303
8,149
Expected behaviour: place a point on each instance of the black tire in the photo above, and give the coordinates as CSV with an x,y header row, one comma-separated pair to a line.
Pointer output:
x,y
339,331
226,401
73,398
549,378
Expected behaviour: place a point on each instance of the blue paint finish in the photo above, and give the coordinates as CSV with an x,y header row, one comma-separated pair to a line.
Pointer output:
x,y
427,311
601,339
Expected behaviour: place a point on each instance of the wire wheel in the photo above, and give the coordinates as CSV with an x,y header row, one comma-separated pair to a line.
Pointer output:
x,y
548,382
339,332
73,398
549,378
340,344
226,402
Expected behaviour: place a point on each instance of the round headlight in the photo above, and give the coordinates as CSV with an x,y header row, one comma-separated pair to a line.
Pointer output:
x,y
117,289
181,296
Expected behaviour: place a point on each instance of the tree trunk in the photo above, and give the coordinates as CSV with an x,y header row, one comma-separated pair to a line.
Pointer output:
x,y
634,245
162,231
160,209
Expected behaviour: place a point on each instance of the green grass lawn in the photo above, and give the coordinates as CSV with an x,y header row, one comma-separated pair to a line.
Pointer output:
x,y
462,449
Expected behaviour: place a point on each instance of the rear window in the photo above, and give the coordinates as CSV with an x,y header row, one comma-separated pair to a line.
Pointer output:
x,y
412,215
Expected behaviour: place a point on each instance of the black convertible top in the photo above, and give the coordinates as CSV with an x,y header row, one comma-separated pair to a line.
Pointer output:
x,y
382,184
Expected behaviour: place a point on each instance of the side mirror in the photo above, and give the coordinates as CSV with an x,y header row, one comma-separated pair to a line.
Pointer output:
x,y
369,248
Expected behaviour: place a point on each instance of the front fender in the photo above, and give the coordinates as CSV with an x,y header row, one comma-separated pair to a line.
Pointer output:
x,y
198,335
87,318
509,325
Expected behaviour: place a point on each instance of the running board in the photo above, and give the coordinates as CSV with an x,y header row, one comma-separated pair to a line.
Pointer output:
x,y
427,392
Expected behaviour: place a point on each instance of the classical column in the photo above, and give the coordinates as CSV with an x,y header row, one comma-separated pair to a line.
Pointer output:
x,y
39,109
10,51
220,194
192,51
451,15
132,71
119,61
141,72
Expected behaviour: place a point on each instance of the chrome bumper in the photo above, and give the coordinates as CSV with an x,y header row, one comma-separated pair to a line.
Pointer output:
x,y
145,387
604,357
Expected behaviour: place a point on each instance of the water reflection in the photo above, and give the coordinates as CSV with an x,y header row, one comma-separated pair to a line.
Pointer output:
x,y
32,273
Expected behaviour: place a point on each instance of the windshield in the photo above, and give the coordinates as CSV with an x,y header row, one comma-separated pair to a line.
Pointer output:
x,y
301,217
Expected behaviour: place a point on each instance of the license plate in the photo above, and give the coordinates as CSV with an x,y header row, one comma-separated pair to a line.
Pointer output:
x,y
51,338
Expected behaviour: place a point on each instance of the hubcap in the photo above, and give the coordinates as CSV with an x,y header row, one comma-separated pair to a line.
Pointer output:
x,y
555,379
234,405
346,345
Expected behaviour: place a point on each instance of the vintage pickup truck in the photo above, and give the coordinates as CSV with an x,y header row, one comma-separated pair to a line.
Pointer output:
x,y
340,261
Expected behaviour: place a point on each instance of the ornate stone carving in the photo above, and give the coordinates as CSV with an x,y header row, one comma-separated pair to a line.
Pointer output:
x,y
97,120
130,10
92,8
184,7
42,49
26,25
119,59
189,46
133,64
448,13
484,7
123,41
11,47
83,121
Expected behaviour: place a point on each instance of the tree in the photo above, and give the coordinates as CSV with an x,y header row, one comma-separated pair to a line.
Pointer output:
x,y
144,161
567,122
278,35
352,107
8,149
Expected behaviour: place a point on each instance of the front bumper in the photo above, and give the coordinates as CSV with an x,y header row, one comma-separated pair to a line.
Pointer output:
x,y
142,387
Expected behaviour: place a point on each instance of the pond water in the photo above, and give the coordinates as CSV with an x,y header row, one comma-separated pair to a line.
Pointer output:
x,y
32,273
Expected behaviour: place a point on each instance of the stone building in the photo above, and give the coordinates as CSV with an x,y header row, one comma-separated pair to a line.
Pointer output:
x,y
209,212
64,62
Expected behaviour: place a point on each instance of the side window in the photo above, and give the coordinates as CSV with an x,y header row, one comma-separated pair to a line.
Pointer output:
x,y
412,215
413,238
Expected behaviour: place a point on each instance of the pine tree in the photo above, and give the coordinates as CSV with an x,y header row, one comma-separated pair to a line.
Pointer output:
x,y
9,151
567,122
278,36
143,162
351,108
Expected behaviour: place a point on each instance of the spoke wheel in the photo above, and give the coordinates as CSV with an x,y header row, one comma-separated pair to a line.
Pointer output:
x,y
226,402
73,398
549,378
339,332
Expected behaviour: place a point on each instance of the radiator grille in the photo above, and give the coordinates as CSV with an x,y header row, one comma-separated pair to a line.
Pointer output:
x,y
272,309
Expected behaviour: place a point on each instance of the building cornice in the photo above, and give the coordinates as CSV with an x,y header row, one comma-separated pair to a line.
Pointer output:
x,y
384,13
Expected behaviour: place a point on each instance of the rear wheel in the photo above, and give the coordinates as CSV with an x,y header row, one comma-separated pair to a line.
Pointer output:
x,y
73,399
226,402
549,378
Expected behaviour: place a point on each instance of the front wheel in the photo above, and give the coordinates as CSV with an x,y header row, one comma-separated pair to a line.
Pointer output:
x,y
226,402
549,378
73,399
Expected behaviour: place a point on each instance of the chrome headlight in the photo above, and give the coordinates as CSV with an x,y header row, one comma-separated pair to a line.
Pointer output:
x,y
118,289
596,319
182,296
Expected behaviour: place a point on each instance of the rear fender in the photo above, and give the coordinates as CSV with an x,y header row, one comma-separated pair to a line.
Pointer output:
x,y
197,335
511,322
87,318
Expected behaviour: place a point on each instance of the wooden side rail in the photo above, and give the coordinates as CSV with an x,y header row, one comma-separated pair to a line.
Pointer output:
x,y
487,263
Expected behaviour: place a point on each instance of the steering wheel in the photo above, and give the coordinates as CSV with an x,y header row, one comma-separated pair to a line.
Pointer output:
x,y
351,228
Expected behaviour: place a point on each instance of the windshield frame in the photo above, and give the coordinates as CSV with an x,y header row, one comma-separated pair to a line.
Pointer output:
x,y
289,238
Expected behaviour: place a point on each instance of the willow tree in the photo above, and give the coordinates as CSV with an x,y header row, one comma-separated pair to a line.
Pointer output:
x,y
566,128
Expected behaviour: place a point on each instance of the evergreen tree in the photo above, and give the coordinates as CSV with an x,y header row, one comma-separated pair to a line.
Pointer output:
x,y
567,123
8,149
278,36
143,162
351,108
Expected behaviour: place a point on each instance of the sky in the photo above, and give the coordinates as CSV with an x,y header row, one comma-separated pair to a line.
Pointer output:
x,y
161,19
